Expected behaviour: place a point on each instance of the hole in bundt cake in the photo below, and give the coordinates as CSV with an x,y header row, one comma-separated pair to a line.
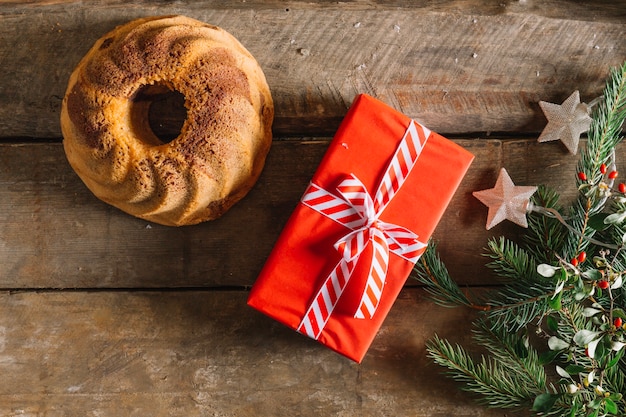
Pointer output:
x,y
158,111
106,43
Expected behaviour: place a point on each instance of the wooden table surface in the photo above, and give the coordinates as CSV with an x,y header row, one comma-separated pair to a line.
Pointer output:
x,y
103,314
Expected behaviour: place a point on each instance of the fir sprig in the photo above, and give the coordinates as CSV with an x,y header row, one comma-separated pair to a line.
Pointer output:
x,y
526,294
572,303
545,235
496,384
432,272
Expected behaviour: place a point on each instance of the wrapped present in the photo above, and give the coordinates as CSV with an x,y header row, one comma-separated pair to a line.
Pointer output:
x,y
366,217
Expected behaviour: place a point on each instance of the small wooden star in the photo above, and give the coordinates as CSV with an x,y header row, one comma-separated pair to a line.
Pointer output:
x,y
566,121
506,201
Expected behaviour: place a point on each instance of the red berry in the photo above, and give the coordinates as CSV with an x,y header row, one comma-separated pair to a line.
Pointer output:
x,y
574,261
612,175
604,284
603,169
582,256
622,187
582,176
618,322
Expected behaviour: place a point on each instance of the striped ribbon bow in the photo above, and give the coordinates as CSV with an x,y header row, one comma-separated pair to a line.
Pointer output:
x,y
354,208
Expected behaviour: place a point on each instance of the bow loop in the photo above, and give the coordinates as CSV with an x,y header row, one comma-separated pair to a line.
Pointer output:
x,y
355,194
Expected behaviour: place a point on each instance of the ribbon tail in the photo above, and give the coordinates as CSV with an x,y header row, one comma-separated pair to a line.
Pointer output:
x,y
410,252
326,299
351,245
376,278
355,193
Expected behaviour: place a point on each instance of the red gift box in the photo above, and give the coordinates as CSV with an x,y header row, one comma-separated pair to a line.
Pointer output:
x,y
351,243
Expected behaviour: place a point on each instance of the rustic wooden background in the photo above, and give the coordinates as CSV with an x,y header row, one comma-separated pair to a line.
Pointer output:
x,y
102,314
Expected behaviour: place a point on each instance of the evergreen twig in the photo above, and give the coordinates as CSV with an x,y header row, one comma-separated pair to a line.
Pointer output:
x,y
432,272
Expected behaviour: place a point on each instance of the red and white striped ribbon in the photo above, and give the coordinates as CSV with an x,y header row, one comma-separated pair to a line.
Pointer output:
x,y
354,208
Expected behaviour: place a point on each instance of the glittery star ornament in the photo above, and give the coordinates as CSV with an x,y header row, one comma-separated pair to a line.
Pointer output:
x,y
566,121
506,201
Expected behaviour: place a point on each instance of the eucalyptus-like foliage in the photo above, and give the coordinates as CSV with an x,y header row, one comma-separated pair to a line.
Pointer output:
x,y
554,332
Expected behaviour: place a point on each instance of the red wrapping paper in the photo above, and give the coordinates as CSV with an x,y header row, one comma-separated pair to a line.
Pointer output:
x,y
304,254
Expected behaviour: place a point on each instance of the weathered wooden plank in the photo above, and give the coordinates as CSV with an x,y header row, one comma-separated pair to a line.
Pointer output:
x,y
55,234
207,353
158,325
598,10
469,66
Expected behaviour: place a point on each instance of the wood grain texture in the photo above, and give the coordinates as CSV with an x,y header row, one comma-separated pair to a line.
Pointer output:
x,y
597,10
464,67
55,234
103,314
208,354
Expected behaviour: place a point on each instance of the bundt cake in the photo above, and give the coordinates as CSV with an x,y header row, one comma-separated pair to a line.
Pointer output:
x,y
223,142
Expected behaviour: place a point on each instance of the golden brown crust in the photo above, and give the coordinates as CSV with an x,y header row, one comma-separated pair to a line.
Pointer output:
x,y
221,148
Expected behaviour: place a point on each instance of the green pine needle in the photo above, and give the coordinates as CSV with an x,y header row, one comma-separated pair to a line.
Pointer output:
x,y
545,235
525,295
513,351
432,272
509,260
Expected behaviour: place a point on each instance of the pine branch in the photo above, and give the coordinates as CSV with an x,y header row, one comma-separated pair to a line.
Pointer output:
x,y
513,352
493,382
509,260
607,121
603,136
432,272
615,380
545,235
525,296
518,307
573,315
